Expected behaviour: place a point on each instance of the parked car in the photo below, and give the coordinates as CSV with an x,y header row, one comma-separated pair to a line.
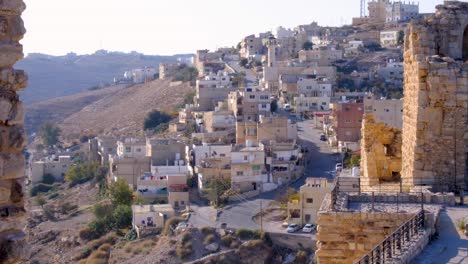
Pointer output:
x,y
308,228
292,228
323,138
339,167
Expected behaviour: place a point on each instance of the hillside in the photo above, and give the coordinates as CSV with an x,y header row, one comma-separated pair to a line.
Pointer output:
x,y
123,113
56,76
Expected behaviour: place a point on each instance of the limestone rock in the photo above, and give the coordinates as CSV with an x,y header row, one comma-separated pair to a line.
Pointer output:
x,y
213,247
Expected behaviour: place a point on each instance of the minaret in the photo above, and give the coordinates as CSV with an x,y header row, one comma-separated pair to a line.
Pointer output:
x,y
272,51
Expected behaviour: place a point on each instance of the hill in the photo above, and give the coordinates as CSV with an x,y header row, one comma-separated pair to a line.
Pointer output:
x,y
56,76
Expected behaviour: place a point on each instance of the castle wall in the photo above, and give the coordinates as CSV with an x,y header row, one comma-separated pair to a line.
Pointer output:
x,y
436,100
13,246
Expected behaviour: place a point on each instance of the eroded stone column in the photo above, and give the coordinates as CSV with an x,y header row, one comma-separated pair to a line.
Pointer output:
x,y
13,246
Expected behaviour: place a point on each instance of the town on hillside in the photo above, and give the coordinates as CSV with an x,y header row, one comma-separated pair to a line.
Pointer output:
x,y
313,144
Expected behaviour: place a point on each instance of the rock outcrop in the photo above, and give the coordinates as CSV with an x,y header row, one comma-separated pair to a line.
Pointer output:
x,y
13,246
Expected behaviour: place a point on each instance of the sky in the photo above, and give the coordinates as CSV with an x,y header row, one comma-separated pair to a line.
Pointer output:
x,y
166,27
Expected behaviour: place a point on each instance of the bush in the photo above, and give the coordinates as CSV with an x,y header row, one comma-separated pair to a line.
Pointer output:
x,y
461,224
48,179
102,210
209,239
53,195
120,193
207,230
253,244
227,240
40,188
67,207
81,173
184,250
155,118
301,257
244,234
186,237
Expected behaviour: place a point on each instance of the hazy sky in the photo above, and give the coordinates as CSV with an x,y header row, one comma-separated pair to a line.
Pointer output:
x,y
170,26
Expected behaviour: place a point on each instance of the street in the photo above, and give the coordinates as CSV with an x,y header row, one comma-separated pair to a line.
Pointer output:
x,y
320,163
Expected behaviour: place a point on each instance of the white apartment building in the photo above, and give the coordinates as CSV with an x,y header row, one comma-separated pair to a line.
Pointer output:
x,y
385,111
248,171
389,38
131,148
310,86
304,104
56,167
200,152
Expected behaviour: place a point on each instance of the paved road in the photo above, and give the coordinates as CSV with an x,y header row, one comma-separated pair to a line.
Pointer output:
x,y
320,163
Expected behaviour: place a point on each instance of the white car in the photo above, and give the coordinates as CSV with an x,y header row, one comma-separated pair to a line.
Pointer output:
x,y
339,167
292,228
308,228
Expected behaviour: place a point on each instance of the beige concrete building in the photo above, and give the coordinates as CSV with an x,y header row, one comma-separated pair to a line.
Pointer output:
x,y
248,172
249,104
282,160
212,89
56,167
220,120
389,112
147,218
168,70
277,128
307,104
131,148
304,210
389,38
252,46
323,57
212,168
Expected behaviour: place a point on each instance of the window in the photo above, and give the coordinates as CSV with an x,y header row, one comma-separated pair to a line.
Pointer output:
x,y
138,149
252,96
256,167
128,149
222,155
240,173
309,200
264,106
245,157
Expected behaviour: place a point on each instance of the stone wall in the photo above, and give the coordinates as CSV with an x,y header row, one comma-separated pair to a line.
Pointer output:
x,y
13,246
344,237
435,143
380,155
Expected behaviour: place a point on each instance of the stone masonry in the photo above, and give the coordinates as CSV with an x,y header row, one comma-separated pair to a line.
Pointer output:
x,y
380,156
435,110
13,247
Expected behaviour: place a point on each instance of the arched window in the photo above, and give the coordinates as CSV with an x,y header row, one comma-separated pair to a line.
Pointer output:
x,y
465,44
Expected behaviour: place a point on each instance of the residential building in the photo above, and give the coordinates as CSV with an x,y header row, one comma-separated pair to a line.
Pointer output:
x,y
205,151
303,208
323,57
282,33
386,11
212,89
148,219
387,111
143,75
100,148
168,70
128,168
307,104
347,121
248,172
164,152
220,120
55,166
392,72
252,46
354,48
131,148
282,160
389,38
310,85
277,128
250,104
213,168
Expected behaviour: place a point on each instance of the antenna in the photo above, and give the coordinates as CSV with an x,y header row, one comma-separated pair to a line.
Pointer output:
x,y
363,8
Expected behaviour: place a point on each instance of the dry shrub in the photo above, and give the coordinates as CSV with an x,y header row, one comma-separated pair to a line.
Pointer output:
x,y
227,240
206,230
170,225
209,239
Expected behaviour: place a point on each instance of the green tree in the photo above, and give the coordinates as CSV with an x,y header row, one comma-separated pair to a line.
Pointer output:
x,y
238,79
243,62
401,37
49,133
48,179
120,193
308,45
122,216
102,211
274,106
188,98
155,118
215,188
81,173
40,200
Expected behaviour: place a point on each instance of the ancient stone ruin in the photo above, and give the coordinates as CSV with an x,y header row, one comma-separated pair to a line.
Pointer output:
x,y
435,115
381,156
13,247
